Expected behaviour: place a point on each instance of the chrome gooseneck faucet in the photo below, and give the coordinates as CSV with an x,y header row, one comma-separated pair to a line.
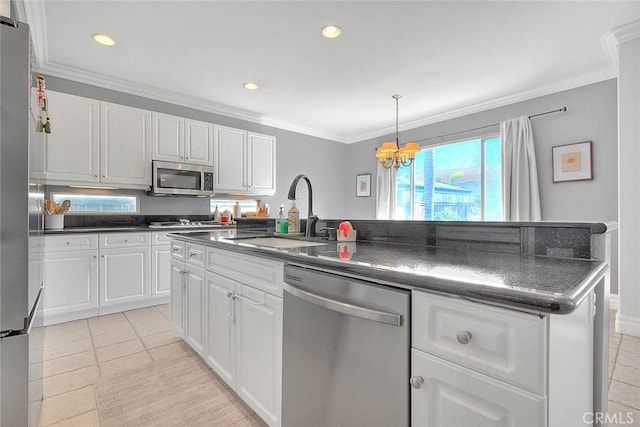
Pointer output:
x,y
310,231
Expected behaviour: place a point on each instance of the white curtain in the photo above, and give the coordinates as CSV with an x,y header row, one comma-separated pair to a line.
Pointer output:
x,y
520,193
386,192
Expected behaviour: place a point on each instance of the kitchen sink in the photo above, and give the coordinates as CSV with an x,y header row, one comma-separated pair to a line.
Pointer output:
x,y
278,242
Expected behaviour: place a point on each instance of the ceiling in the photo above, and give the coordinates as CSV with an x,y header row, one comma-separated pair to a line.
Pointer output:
x,y
447,59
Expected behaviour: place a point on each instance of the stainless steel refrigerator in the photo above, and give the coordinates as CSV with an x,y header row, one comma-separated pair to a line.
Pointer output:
x,y
21,198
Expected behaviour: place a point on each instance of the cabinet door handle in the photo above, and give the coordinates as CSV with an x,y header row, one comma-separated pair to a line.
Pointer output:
x,y
230,298
192,254
416,382
464,337
247,300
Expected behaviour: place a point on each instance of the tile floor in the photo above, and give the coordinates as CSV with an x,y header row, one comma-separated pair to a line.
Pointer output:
x,y
77,353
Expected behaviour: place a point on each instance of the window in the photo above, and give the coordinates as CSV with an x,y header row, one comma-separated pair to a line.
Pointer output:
x,y
247,205
99,204
461,181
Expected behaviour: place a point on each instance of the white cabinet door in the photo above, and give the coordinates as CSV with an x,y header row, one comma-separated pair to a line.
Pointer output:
x,y
455,396
219,326
259,352
71,283
261,163
230,159
198,146
72,150
194,308
168,137
124,275
125,146
177,300
160,271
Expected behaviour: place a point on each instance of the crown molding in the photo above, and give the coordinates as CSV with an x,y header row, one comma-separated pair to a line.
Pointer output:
x,y
491,104
34,16
610,44
627,32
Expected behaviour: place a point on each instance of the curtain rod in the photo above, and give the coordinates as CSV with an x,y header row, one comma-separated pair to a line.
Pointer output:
x,y
559,110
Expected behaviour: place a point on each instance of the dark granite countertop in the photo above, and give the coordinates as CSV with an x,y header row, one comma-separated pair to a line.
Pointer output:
x,y
130,229
528,282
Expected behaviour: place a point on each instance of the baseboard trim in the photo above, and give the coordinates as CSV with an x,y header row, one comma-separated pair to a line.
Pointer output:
x,y
614,302
627,325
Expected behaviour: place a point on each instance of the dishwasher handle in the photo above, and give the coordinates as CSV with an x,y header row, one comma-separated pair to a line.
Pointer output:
x,y
345,308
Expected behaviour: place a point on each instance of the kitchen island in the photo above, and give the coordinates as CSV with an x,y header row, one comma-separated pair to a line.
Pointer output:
x,y
538,290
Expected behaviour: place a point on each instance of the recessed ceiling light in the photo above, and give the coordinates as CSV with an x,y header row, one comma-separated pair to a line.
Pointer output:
x,y
331,31
104,39
250,86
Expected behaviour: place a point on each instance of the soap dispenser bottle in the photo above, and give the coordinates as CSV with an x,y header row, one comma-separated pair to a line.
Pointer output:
x,y
294,218
216,214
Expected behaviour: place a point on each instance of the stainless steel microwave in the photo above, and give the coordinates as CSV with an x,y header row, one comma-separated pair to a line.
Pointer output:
x,y
181,179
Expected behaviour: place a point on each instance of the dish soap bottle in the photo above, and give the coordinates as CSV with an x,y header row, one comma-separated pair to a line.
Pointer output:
x,y
294,218
280,219
216,214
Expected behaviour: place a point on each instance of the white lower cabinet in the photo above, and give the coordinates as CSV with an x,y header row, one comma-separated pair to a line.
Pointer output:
x,y
125,269
177,292
71,282
451,395
473,364
242,313
124,276
160,265
93,274
220,350
258,337
244,342
188,301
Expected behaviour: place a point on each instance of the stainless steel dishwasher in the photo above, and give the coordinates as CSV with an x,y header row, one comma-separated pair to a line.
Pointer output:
x,y
345,352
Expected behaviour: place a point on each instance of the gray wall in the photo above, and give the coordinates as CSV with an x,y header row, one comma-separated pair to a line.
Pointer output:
x,y
321,160
591,116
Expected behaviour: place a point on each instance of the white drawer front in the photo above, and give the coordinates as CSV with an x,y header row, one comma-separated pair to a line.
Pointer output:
x,y
451,395
194,255
261,273
122,240
159,238
178,249
69,242
503,343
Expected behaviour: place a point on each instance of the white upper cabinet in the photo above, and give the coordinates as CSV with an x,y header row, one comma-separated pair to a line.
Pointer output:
x,y
94,142
176,139
72,149
262,163
168,137
198,142
125,155
245,162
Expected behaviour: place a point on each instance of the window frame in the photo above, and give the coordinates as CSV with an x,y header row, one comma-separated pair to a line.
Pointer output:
x,y
483,139
64,195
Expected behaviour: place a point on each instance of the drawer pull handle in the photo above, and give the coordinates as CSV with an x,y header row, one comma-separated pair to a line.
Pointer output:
x,y
416,382
176,250
464,337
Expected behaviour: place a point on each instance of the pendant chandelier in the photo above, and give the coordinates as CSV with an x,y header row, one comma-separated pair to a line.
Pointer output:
x,y
391,154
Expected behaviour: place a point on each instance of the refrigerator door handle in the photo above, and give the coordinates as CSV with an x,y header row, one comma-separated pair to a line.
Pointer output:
x,y
28,321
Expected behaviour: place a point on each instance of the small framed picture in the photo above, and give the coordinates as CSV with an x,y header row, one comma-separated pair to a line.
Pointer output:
x,y
572,162
363,185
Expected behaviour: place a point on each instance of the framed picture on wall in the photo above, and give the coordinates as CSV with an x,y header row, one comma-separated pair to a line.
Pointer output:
x,y
363,185
572,162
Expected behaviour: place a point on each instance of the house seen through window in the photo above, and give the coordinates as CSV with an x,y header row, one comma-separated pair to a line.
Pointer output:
x,y
460,181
